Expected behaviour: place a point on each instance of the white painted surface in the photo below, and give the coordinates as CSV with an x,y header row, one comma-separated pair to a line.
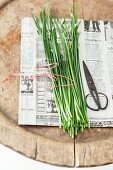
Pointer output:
x,y
10,160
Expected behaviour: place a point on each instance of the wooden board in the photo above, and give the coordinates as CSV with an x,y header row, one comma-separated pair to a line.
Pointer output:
x,y
46,144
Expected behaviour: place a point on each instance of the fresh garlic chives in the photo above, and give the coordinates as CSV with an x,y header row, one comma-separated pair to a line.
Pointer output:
x,y
61,46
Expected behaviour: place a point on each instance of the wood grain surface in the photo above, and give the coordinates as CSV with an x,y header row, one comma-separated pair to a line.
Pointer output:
x,y
46,144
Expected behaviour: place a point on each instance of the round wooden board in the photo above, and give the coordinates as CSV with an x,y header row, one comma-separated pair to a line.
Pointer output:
x,y
46,144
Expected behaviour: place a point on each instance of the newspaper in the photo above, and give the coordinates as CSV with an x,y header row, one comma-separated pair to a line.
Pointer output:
x,y
36,103
96,49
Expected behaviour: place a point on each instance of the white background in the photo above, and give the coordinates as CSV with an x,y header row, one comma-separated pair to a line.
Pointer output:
x,y
10,160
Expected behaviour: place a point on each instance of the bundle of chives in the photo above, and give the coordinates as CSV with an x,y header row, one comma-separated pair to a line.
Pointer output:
x,y
61,46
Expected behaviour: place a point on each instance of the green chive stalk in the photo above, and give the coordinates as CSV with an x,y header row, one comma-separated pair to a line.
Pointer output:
x,y
61,46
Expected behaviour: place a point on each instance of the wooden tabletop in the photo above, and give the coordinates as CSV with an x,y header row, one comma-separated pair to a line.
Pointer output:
x,y
47,144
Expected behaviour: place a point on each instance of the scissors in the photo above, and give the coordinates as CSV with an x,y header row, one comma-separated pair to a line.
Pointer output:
x,y
93,91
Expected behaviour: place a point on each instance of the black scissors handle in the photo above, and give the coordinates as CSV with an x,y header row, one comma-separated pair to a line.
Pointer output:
x,y
97,102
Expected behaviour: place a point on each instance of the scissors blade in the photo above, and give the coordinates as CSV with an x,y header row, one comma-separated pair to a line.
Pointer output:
x,y
89,78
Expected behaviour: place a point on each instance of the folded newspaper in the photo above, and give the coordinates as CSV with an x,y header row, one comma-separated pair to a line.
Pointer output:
x,y
36,99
